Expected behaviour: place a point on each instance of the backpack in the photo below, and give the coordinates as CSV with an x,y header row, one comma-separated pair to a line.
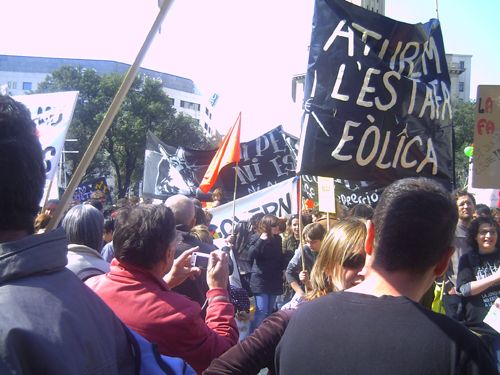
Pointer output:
x,y
148,361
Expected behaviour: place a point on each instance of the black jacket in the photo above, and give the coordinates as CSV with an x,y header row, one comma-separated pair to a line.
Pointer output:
x,y
268,265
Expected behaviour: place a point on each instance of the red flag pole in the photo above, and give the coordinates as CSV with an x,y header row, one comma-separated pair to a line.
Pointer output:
x,y
228,153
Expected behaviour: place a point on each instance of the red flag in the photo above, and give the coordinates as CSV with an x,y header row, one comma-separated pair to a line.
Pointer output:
x,y
228,152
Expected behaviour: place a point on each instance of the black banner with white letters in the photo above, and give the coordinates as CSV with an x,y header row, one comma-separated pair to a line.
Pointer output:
x,y
351,193
85,190
170,170
377,98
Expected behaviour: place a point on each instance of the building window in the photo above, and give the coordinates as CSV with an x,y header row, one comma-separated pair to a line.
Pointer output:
x,y
27,86
461,86
171,101
189,105
207,112
12,85
206,126
462,64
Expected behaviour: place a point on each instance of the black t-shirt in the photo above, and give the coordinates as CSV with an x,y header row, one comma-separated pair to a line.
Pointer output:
x,y
351,333
474,266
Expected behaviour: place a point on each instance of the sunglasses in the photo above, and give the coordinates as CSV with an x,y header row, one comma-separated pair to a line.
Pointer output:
x,y
354,261
491,232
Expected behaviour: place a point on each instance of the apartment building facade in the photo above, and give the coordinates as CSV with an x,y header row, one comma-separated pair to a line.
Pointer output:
x,y
21,75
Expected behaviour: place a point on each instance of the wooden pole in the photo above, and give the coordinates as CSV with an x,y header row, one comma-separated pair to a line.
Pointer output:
x,y
108,118
47,196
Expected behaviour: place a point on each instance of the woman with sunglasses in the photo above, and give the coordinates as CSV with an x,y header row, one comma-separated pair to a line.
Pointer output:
x,y
339,265
478,279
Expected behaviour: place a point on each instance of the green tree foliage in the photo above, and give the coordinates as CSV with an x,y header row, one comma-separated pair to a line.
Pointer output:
x,y
146,108
463,121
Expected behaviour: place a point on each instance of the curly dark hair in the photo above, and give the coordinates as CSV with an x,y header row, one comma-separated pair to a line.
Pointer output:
x,y
474,230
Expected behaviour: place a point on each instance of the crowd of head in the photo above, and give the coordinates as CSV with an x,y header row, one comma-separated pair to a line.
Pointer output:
x,y
340,293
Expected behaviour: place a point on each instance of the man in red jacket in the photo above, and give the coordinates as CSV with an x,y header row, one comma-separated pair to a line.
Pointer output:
x,y
138,288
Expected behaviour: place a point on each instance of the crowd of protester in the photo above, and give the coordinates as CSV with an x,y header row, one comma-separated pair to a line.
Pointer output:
x,y
301,294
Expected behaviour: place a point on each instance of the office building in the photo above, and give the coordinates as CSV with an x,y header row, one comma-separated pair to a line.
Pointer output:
x,y
22,74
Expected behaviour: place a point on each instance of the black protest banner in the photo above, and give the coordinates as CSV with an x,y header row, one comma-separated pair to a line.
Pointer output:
x,y
169,170
85,190
264,162
347,192
377,101
350,193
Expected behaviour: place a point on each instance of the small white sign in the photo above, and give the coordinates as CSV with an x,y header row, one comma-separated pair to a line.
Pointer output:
x,y
493,318
486,168
326,194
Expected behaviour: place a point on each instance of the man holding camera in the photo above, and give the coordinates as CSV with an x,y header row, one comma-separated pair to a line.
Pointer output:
x,y
138,288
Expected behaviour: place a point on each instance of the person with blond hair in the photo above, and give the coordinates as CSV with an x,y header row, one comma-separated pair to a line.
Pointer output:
x,y
340,260
202,233
339,266
296,275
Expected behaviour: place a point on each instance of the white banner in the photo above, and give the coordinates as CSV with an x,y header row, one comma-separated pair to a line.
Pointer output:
x,y
52,114
279,200
487,138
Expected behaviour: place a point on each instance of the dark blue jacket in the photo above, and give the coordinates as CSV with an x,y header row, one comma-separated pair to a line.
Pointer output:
x,y
50,322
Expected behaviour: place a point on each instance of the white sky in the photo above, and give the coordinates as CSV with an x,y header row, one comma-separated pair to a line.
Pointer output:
x,y
247,52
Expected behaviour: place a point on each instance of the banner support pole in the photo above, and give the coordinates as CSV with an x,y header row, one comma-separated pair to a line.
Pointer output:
x,y
46,198
301,244
234,196
108,118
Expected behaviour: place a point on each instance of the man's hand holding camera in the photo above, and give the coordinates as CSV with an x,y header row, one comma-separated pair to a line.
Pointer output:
x,y
218,270
182,269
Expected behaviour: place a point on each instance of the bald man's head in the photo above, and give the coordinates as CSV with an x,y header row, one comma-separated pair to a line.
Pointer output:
x,y
182,208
